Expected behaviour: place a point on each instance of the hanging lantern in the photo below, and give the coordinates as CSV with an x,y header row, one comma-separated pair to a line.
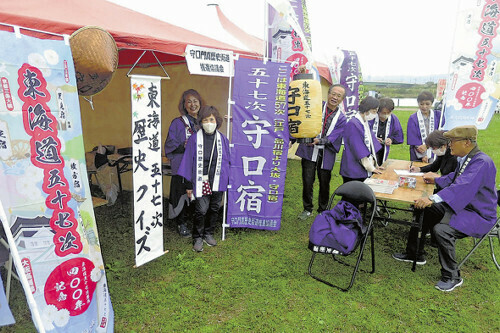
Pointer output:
x,y
96,58
304,108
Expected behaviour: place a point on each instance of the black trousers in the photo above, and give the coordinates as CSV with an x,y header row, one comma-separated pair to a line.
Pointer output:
x,y
309,169
432,216
206,212
445,239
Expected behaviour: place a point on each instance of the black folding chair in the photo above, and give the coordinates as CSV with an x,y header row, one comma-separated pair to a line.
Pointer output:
x,y
357,193
493,233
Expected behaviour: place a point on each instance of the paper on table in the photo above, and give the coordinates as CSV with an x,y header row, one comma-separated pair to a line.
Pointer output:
x,y
407,173
381,185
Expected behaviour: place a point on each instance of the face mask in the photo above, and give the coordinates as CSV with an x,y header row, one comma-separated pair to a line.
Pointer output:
x,y
370,116
383,117
439,152
209,127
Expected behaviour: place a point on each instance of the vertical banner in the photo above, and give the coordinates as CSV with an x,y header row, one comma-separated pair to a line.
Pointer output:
x,y
146,167
351,79
441,85
46,205
289,35
473,86
259,144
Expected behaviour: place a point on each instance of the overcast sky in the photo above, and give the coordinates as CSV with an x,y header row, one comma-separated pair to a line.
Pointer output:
x,y
391,37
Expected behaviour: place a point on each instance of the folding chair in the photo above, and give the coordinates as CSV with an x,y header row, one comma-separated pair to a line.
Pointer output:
x,y
493,233
6,260
357,193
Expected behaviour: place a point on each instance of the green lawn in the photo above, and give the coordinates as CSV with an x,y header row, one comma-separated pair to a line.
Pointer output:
x,y
257,281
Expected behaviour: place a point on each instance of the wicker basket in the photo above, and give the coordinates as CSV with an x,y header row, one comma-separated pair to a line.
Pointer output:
x,y
96,58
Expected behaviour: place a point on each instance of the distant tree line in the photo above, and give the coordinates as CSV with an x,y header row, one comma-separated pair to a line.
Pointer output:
x,y
399,90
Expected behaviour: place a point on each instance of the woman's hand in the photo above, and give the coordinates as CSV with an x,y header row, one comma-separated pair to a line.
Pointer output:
x,y
425,159
421,203
388,142
422,148
414,169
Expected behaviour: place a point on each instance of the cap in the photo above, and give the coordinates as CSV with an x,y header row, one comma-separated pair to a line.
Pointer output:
x,y
462,132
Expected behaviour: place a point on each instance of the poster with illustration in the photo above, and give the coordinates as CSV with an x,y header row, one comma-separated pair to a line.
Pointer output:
x,y
473,85
45,198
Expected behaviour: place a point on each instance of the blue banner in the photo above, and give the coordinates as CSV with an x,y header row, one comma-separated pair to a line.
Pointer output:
x,y
259,144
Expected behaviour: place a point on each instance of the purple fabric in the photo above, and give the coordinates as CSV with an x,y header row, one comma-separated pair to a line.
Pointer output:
x,y
260,138
338,228
176,136
350,78
395,132
472,196
413,137
331,149
187,168
355,149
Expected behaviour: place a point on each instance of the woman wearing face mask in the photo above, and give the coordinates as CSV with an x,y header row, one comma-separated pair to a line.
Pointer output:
x,y
179,132
445,161
360,145
207,181
387,129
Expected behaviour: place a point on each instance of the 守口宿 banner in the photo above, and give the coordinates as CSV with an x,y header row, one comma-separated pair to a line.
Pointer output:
x,y
46,205
259,144
147,167
351,79
473,86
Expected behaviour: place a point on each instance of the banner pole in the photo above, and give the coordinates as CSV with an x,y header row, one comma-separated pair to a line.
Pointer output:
x,y
229,103
20,271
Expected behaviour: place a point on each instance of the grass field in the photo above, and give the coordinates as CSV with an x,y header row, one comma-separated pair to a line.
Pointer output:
x,y
257,281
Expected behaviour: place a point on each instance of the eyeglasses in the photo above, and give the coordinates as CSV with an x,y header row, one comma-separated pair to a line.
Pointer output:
x,y
455,140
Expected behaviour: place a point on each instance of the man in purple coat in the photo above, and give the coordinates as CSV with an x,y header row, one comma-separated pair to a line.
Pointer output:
x,y
466,204
319,156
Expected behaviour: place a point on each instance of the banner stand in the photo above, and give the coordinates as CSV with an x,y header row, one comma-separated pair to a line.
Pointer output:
x,y
235,57
20,271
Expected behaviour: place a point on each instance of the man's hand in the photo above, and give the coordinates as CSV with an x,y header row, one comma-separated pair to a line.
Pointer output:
x,y
421,203
429,177
425,159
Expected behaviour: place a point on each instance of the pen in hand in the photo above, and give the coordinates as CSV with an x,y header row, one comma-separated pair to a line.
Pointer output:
x,y
411,164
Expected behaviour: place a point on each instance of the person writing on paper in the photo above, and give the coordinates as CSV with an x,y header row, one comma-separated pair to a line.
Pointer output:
x,y
360,144
179,132
465,206
420,124
387,128
319,156
207,181
445,162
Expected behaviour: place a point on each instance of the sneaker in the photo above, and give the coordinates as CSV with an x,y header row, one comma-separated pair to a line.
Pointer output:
x,y
183,230
407,258
304,215
448,284
197,245
210,240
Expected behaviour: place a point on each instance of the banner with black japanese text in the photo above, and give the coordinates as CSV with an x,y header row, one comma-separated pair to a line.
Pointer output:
x,y
46,205
259,144
147,167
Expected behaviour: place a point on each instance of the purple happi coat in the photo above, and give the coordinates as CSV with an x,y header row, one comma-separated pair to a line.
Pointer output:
x,y
413,137
176,137
395,133
355,149
332,147
187,168
472,196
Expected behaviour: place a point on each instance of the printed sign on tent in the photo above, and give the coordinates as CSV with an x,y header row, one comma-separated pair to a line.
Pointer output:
x,y
473,86
46,205
205,61
260,143
147,167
